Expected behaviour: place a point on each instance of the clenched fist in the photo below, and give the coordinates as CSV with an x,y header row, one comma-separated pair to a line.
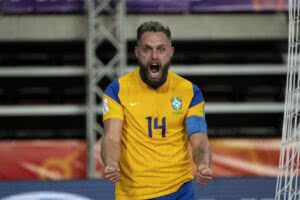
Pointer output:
x,y
204,174
112,172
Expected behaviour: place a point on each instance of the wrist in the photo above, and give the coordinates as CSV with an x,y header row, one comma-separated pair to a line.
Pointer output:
x,y
204,165
112,163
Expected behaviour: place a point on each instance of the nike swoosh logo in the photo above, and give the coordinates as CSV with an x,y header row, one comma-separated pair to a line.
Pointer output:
x,y
133,103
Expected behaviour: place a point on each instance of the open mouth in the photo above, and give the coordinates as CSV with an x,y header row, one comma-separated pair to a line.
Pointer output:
x,y
154,70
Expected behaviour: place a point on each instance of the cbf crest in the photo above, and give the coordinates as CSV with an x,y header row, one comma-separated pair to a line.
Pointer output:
x,y
176,103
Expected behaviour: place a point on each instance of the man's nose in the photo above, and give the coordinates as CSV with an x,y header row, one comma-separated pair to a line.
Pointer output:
x,y
154,55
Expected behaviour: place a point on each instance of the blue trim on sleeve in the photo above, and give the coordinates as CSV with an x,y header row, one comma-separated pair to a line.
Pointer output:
x,y
113,91
195,124
198,97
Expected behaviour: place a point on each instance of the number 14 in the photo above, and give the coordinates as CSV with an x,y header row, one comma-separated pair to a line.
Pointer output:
x,y
156,126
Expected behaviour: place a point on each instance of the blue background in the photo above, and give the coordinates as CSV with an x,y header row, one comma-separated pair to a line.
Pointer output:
x,y
218,189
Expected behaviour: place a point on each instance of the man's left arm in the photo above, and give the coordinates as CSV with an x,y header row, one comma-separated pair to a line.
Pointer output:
x,y
197,131
202,157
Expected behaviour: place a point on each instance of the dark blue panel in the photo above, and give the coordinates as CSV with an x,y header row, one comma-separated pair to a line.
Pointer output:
x,y
158,6
217,189
147,6
91,189
237,189
59,6
198,97
113,91
236,5
21,6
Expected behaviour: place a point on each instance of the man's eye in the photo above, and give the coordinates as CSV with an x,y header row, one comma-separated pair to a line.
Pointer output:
x,y
161,49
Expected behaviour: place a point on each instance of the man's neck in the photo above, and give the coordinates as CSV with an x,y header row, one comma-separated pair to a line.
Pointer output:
x,y
155,85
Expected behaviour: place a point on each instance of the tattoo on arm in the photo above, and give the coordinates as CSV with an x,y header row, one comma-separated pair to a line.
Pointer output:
x,y
202,155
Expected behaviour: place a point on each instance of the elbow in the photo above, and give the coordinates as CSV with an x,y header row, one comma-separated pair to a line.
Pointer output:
x,y
110,140
113,140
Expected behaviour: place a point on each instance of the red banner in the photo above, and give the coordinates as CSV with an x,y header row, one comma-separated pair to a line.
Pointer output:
x,y
66,159
56,159
245,157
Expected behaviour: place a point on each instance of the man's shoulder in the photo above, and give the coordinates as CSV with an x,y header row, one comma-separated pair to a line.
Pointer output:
x,y
129,76
180,81
116,82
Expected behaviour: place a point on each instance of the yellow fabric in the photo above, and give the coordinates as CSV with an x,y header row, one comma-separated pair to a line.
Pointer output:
x,y
197,110
152,166
111,108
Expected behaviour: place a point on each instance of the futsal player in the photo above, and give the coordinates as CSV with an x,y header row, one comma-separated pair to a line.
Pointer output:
x,y
149,116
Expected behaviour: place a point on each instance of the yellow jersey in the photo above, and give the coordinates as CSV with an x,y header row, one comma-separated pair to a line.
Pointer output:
x,y
156,124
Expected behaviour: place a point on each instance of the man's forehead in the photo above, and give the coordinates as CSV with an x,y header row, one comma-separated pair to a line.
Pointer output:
x,y
154,38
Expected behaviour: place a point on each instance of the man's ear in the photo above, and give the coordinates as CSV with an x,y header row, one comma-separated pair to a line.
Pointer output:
x,y
172,51
136,51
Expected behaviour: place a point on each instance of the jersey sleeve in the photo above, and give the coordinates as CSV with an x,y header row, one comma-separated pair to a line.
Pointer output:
x,y
195,120
112,107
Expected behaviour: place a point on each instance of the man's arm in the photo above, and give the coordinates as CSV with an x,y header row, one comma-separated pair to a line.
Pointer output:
x,y
111,148
202,157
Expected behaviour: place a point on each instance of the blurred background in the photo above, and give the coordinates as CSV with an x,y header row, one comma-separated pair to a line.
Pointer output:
x,y
57,56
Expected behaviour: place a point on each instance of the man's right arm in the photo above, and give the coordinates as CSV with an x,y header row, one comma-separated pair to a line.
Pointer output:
x,y
111,148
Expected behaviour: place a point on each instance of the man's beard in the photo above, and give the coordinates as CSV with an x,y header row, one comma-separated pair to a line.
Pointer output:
x,y
154,84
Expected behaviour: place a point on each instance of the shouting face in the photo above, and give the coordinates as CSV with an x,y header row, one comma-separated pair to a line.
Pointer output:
x,y
154,52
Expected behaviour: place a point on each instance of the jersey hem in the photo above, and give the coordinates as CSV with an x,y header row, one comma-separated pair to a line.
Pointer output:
x,y
113,117
143,197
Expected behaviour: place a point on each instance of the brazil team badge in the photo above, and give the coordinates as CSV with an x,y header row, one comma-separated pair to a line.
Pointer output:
x,y
176,105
